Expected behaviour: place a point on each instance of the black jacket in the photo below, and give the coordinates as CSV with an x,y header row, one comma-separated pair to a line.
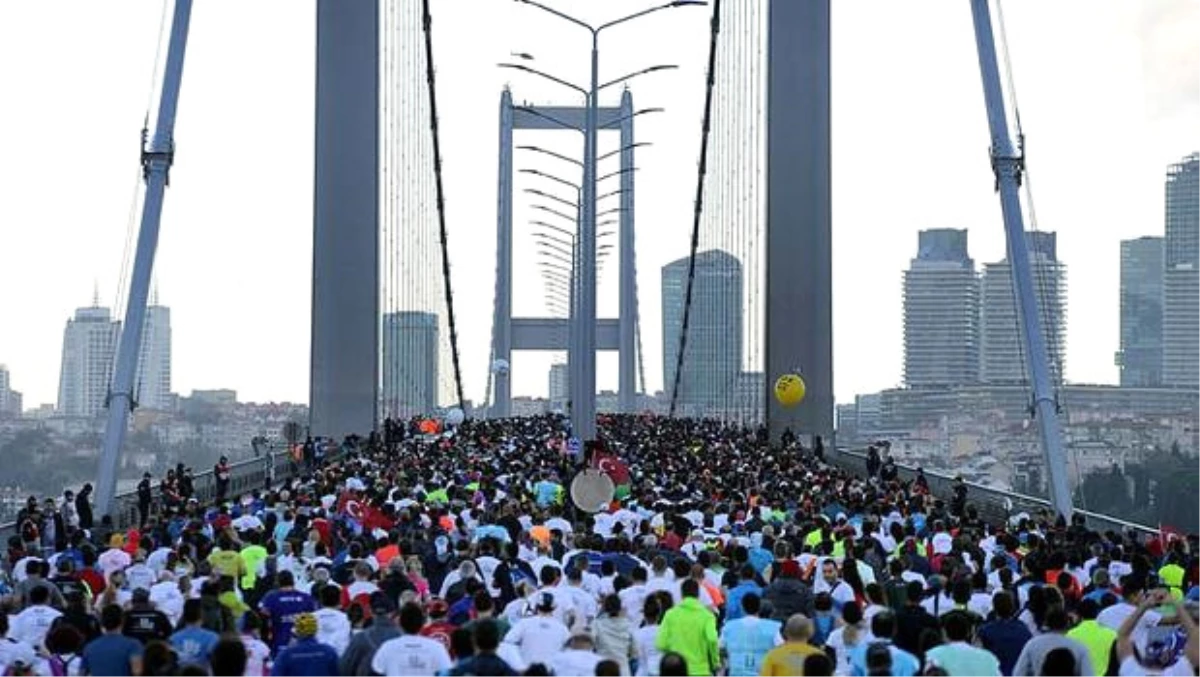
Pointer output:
x,y
83,508
788,596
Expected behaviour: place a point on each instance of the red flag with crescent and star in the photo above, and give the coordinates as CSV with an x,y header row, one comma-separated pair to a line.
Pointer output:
x,y
612,466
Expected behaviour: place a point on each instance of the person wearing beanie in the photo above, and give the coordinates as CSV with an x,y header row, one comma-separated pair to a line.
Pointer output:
x,y
305,656
787,594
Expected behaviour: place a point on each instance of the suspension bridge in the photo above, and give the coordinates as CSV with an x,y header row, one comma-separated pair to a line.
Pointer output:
x,y
751,300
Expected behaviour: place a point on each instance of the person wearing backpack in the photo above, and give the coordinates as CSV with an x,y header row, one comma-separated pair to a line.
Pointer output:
x,y
63,658
881,656
16,657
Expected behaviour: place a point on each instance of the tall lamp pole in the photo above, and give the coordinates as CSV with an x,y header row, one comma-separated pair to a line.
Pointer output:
x,y
583,405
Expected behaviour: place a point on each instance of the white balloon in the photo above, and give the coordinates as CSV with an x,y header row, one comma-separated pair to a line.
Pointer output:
x,y
455,416
500,366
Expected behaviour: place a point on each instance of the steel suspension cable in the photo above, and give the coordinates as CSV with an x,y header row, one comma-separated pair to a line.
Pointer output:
x,y
441,202
699,202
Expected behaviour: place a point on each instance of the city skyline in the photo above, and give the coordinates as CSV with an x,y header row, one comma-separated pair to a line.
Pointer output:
x,y
1108,71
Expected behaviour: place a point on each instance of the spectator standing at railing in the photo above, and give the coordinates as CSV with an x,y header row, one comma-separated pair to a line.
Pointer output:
x,y
83,506
958,503
144,496
170,491
873,461
66,508
222,473
187,484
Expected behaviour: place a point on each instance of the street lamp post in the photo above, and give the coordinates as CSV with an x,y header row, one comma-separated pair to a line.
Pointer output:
x,y
583,409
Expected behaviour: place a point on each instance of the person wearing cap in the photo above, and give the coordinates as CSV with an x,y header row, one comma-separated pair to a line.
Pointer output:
x,y
541,636
306,656
690,629
787,594
439,627
358,655
578,658
410,653
115,558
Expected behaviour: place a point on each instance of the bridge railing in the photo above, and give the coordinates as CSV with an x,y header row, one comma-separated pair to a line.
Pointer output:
x,y
993,504
244,476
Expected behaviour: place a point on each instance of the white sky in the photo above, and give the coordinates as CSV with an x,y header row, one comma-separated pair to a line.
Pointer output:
x,y
1109,93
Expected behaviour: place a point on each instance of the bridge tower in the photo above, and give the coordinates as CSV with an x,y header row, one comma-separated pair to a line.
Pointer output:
x,y
509,333
345,284
799,302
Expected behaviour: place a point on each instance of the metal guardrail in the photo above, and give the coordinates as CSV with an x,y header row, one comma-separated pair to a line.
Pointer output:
x,y
991,503
245,475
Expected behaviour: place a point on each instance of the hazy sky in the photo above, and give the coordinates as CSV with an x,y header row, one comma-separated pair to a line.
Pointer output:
x,y
1109,93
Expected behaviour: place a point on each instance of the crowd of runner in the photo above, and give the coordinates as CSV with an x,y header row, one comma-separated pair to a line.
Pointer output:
x,y
460,552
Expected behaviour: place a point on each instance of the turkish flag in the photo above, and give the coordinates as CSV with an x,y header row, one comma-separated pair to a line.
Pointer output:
x,y
350,506
613,467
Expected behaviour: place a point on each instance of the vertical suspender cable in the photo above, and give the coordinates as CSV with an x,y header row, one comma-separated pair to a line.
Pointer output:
x,y
699,204
441,204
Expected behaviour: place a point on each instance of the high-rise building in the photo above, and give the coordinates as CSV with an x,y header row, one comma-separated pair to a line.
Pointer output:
x,y
1181,275
10,400
1140,357
559,393
153,386
1182,225
713,359
941,312
89,346
1001,346
410,363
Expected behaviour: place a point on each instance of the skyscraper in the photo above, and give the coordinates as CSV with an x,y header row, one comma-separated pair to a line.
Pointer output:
x,y
10,400
714,349
1141,357
1001,347
559,393
153,385
410,363
941,312
1181,275
89,345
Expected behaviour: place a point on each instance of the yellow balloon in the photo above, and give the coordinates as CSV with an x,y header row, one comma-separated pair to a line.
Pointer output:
x,y
789,390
